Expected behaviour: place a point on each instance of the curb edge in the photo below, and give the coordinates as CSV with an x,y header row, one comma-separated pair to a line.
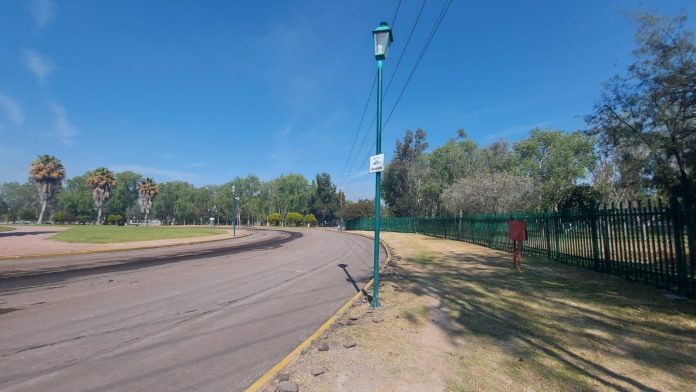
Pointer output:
x,y
294,354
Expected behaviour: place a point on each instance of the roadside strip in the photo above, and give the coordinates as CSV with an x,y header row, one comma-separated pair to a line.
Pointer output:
x,y
294,354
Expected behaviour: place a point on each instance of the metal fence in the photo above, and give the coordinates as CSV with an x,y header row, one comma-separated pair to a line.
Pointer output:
x,y
646,242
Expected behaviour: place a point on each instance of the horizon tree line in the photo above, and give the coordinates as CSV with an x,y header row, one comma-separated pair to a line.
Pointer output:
x,y
102,196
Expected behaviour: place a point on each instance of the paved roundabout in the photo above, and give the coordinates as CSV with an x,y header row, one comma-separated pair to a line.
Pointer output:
x,y
200,317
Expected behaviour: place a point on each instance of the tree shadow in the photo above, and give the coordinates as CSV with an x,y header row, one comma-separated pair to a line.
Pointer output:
x,y
558,313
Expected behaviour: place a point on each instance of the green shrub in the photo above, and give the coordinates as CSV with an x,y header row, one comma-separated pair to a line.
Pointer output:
x,y
274,219
59,217
294,218
310,220
114,219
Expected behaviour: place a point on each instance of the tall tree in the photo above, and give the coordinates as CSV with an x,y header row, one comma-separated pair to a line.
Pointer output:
x,y
147,189
76,199
650,113
124,197
102,181
21,200
48,173
487,192
324,200
401,179
363,208
556,161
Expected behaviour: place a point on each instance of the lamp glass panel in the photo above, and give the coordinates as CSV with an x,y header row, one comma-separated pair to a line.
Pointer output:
x,y
381,43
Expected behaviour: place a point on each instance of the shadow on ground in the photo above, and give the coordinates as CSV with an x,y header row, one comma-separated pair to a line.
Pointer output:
x,y
557,325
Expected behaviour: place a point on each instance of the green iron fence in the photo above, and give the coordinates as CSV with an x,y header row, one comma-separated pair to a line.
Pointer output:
x,y
646,242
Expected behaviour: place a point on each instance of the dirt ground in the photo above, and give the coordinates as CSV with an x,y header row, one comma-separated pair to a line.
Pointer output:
x,y
33,241
457,317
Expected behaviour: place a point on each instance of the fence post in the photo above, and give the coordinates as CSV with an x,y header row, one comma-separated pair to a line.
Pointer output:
x,y
678,230
547,232
605,234
556,235
690,217
595,236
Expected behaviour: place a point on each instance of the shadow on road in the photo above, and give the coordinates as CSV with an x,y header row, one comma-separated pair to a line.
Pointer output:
x,y
23,233
350,279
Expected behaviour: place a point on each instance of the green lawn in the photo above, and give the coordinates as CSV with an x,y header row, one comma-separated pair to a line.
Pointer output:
x,y
109,234
6,228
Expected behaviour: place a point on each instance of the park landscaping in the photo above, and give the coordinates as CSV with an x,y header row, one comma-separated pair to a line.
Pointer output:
x,y
101,234
456,316
6,228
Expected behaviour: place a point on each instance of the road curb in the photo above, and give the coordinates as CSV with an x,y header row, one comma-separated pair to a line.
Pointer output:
x,y
294,354
93,251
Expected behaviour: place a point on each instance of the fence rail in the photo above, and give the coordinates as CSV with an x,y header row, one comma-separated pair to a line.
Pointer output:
x,y
646,242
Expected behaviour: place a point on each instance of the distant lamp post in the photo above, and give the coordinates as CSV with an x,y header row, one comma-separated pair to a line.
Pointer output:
x,y
383,38
234,210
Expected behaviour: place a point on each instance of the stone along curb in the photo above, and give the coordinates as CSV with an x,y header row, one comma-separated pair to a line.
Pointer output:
x,y
294,354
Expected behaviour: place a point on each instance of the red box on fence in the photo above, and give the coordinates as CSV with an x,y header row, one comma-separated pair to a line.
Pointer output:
x,y
517,231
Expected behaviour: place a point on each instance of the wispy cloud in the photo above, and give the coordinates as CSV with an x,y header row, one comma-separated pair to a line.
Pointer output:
x,y
11,110
62,128
43,11
516,130
285,130
40,65
278,152
158,173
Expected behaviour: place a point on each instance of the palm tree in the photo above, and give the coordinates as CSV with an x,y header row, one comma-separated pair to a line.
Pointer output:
x,y
148,191
48,173
102,182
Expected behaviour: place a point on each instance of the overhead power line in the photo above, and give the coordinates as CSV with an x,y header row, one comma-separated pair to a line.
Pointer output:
x,y
391,79
413,70
362,118
420,57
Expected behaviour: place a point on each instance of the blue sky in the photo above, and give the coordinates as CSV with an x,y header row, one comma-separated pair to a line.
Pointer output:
x,y
203,91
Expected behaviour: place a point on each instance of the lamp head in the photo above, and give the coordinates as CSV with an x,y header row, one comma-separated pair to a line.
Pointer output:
x,y
383,38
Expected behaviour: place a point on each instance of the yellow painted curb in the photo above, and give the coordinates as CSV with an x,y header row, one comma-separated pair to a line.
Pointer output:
x,y
272,372
93,251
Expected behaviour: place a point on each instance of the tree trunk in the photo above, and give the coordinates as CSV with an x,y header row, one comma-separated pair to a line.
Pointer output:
x,y
43,209
99,216
684,180
146,216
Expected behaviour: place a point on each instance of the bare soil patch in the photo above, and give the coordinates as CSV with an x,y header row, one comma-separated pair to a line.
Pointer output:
x,y
457,317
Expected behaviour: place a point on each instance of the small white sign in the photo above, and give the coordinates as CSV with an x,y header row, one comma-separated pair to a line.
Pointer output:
x,y
377,163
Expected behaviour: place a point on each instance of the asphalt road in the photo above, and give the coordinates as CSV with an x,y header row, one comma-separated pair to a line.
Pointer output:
x,y
211,320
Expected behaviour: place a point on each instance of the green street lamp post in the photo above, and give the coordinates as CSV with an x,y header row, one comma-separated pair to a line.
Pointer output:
x,y
383,38
234,210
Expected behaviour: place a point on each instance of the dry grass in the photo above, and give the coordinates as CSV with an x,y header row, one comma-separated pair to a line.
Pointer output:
x,y
463,320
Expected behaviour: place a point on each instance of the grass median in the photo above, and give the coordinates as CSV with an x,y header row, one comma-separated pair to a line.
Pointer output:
x,y
6,228
112,234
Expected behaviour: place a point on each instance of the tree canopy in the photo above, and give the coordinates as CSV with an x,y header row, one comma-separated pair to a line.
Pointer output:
x,y
646,119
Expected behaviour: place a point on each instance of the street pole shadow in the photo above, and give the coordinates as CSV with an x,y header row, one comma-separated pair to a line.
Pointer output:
x,y
350,279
